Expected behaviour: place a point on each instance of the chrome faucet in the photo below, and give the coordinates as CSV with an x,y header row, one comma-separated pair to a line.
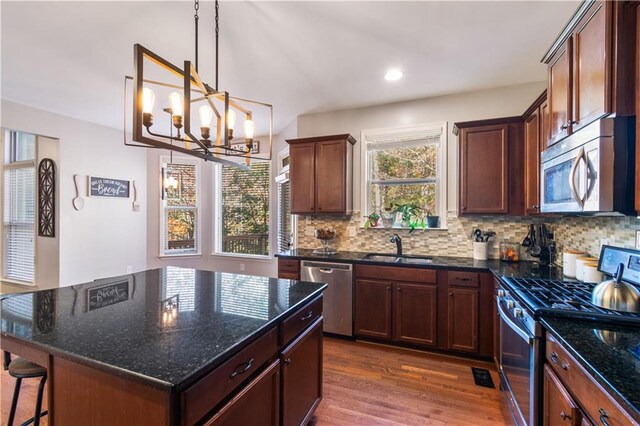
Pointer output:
x,y
396,239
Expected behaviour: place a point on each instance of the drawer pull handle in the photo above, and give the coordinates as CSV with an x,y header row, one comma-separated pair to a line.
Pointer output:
x,y
564,416
603,416
243,368
554,359
462,279
306,317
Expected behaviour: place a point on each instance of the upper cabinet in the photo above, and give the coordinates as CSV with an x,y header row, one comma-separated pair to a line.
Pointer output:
x,y
321,174
591,67
535,123
490,160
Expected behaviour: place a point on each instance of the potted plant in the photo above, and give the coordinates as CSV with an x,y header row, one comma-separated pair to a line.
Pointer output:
x,y
372,220
411,217
432,220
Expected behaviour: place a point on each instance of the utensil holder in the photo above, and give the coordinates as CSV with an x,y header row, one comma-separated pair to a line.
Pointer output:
x,y
480,250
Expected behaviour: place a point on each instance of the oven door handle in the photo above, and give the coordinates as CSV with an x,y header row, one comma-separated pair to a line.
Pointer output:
x,y
512,325
572,178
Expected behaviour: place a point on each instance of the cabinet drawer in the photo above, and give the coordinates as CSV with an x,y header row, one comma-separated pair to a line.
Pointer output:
x,y
210,390
396,274
288,265
463,279
590,395
289,275
300,320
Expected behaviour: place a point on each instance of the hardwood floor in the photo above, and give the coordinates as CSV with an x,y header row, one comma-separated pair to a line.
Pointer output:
x,y
366,384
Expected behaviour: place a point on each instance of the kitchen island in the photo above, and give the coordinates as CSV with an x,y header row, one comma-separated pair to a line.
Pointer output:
x,y
173,346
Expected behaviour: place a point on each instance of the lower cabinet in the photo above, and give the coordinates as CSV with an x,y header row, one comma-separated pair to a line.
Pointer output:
x,y
373,309
463,319
257,404
415,314
301,377
558,406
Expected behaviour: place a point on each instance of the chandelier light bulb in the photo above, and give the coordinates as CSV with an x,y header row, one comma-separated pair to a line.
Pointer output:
x,y
206,115
148,99
231,119
175,100
249,129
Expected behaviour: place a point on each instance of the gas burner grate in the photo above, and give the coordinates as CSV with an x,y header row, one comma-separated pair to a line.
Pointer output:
x,y
564,298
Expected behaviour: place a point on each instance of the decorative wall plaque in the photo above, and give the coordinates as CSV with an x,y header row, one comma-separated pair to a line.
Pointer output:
x,y
47,198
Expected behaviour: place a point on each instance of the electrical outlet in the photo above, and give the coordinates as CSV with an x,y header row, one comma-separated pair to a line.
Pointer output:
x,y
604,242
242,268
129,269
351,231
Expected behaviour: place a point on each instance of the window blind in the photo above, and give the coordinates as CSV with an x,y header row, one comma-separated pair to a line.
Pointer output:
x,y
284,217
403,139
19,223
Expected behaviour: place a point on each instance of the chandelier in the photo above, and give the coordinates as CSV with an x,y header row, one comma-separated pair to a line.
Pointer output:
x,y
185,92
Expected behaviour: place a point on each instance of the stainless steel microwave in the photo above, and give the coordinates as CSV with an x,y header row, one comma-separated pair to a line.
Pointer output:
x,y
591,171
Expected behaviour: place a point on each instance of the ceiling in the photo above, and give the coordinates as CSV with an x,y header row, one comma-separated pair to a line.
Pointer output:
x,y
302,57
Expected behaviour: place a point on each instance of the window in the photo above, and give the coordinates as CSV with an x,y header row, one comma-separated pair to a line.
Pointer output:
x,y
243,210
406,166
18,206
286,223
180,208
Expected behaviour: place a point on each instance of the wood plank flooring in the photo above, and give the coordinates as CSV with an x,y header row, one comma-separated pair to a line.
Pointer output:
x,y
366,384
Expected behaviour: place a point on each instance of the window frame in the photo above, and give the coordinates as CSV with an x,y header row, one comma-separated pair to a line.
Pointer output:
x,y
217,219
165,160
441,181
282,177
8,164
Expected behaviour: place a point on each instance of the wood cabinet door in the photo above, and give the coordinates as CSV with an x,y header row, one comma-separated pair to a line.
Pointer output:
x,y
373,309
483,175
302,177
463,319
532,138
558,406
415,314
559,93
496,326
592,66
301,377
331,176
258,403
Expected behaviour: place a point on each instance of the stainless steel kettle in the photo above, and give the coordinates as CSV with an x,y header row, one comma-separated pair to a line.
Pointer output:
x,y
616,295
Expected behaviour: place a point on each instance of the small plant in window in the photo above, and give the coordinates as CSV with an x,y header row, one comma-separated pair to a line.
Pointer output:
x,y
432,219
411,217
373,220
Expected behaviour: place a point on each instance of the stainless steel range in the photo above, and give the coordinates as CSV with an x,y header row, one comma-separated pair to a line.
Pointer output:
x,y
522,301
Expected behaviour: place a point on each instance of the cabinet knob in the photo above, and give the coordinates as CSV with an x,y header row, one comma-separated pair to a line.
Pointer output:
x,y
564,416
388,288
451,294
287,361
564,127
603,416
574,122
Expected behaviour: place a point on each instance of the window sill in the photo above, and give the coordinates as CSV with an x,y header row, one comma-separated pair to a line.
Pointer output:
x,y
238,256
180,255
11,281
404,229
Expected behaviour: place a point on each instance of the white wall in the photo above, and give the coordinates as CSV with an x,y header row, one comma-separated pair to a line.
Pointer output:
x,y
106,236
206,259
492,103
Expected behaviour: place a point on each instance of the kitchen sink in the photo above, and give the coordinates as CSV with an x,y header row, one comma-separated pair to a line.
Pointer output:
x,y
392,258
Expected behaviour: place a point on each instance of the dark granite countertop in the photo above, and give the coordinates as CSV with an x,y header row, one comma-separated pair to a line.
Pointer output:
x,y
611,354
516,269
122,329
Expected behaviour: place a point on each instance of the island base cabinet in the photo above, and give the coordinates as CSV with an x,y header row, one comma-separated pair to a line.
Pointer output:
x,y
257,404
301,377
559,408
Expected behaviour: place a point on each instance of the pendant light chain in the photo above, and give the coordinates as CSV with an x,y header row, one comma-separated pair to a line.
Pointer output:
x,y
196,6
217,34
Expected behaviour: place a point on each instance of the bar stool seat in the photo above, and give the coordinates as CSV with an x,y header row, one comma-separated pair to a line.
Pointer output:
x,y
21,369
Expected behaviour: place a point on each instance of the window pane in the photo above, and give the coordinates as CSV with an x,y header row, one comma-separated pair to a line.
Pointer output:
x,y
25,146
181,230
19,219
284,217
245,209
184,194
414,162
422,195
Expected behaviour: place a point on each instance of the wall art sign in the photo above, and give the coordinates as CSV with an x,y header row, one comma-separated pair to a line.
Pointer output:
x,y
47,198
108,187
107,295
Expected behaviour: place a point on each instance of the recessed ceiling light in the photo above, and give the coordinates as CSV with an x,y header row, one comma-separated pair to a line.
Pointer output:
x,y
393,75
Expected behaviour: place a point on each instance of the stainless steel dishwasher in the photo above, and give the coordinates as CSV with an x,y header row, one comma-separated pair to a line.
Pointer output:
x,y
338,297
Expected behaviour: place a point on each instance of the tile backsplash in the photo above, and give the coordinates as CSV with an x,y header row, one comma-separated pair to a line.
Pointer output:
x,y
578,233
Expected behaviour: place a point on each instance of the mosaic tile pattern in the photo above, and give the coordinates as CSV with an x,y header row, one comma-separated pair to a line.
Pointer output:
x,y
582,233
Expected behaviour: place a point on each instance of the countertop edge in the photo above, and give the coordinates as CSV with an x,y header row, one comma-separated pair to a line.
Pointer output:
x,y
185,381
615,394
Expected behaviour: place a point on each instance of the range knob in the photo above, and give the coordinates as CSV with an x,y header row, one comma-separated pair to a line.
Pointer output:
x,y
500,293
510,304
517,312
